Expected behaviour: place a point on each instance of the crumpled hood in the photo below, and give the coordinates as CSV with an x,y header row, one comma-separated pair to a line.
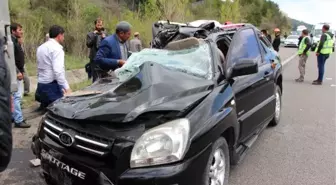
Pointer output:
x,y
154,88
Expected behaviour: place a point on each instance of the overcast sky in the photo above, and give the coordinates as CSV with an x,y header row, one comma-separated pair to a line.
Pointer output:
x,y
310,11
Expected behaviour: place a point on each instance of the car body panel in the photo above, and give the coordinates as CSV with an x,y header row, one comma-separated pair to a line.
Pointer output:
x,y
153,88
253,112
198,23
233,108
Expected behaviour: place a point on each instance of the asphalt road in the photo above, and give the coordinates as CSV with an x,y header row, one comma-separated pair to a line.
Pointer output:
x,y
301,150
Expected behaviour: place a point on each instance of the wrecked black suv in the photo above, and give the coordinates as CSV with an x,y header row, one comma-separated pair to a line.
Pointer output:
x,y
177,115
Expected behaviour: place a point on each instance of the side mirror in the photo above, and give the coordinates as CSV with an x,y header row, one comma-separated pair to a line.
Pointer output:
x,y
242,67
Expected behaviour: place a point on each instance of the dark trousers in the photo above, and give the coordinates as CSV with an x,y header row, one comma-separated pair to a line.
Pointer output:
x,y
321,60
94,74
26,83
48,93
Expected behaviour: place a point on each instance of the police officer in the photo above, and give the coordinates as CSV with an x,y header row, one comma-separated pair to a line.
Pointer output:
x,y
323,50
304,50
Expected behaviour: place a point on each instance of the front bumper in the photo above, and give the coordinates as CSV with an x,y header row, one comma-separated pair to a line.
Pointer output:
x,y
66,169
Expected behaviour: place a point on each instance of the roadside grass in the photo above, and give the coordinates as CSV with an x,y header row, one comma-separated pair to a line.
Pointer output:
x,y
71,62
29,100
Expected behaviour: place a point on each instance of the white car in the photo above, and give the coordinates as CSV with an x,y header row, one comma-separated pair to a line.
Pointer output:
x,y
292,41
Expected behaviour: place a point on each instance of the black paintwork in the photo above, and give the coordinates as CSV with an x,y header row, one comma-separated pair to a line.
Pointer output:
x,y
234,108
154,88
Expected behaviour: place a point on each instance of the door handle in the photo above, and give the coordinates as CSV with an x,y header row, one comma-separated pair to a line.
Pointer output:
x,y
267,74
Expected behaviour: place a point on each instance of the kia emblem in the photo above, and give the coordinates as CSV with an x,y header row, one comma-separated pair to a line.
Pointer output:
x,y
66,139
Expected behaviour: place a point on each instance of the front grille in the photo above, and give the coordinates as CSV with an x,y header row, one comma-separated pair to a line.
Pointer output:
x,y
83,141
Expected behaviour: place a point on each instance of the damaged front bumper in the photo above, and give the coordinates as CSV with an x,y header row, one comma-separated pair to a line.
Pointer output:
x,y
60,167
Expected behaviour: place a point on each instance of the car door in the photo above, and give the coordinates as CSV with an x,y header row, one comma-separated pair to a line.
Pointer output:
x,y
267,74
250,89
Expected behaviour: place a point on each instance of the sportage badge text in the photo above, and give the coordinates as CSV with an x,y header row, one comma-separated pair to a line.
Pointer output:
x,y
45,155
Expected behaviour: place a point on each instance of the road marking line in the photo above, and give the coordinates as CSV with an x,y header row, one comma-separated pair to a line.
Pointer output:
x,y
289,59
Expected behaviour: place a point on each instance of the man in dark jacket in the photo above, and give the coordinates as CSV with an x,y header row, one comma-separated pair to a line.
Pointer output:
x,y
268,36
277,39
5,112
324,49
93,41
17,33
113,50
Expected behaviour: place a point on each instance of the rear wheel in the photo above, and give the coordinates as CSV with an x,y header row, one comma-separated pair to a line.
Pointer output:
x,y
218,167
278,105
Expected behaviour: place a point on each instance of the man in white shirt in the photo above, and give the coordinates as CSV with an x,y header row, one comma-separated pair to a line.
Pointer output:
x,y
52,83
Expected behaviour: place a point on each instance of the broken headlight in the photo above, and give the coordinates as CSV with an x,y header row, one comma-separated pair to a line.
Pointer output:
x,y
163,144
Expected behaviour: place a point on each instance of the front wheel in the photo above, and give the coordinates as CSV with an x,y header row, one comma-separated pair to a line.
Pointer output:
x,y
218,167
278,105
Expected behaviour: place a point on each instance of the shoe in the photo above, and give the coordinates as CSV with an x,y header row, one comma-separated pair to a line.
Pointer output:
x,y
316,82
23,124
299,80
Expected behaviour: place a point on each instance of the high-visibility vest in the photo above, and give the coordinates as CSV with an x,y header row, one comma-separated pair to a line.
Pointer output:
x,y
303,46
327,46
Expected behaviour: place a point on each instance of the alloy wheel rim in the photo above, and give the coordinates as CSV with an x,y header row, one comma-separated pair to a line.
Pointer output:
x,y
217,168
277,106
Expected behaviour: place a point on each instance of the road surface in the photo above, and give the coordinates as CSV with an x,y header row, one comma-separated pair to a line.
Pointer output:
x,y
299,151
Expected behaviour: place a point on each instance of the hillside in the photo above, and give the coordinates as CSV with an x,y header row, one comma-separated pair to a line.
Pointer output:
x,y
296,23
77,17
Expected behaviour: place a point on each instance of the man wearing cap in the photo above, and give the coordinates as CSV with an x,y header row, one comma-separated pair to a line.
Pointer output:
x,y
277,39
323,50
113,50
135,43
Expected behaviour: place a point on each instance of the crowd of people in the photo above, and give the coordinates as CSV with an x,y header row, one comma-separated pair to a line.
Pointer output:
x,y
323,50
110,52
107,52
276,41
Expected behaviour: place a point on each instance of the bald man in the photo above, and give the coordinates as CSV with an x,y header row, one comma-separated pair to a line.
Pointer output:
x,y
113,50
135,43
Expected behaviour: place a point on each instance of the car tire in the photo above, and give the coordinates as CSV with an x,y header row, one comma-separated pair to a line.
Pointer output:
x,y
278,106
220,155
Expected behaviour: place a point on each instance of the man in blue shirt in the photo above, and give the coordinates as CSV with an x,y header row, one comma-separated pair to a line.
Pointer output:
x,y
113,50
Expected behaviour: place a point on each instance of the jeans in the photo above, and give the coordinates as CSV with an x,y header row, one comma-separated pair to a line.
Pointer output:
x,y
321,59
17,98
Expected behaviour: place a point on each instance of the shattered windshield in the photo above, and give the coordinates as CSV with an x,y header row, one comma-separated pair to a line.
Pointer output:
x,y
195,61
